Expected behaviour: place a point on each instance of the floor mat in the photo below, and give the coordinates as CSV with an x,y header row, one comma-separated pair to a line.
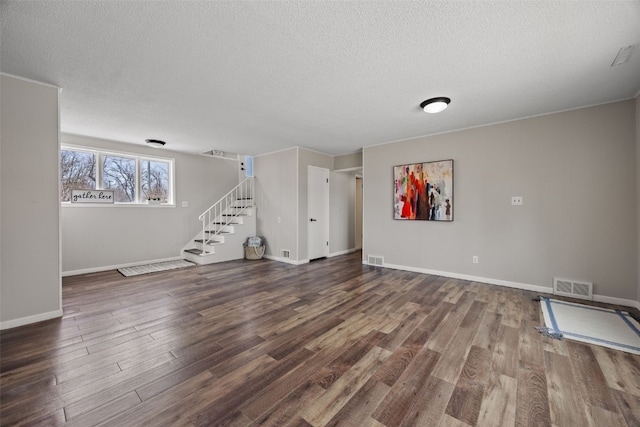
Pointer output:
x,y
154,268
594,325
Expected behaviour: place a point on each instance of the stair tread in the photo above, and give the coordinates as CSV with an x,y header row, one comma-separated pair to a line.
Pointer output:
x,y
195,251
219,232
209,243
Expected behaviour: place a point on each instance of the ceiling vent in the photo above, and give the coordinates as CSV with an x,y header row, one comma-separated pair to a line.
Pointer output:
x,y
624,55
572,288
221,154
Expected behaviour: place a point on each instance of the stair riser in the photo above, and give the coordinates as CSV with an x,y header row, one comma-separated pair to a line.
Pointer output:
x,y
230,242
231,249
200,260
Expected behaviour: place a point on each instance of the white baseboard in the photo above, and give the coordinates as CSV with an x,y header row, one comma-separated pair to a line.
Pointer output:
x,y
117,266
286,260
488,280
347,251
14,323
509,284
306,261
617,301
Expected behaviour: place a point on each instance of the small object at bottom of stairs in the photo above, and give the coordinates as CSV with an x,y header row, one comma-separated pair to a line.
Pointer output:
x,y
254,252
254,247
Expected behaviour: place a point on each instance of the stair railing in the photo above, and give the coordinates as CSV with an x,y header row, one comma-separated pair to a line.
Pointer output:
x,y
225,211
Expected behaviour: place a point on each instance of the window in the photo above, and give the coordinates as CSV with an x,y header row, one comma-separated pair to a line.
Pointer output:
x,y
248,161
155,180
119,174
134,179
77,172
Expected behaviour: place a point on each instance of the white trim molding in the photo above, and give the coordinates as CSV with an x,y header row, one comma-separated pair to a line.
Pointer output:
x,y
286,260
14,323
617,301
117,266
346,251
506,283
306,261
13,76
499,282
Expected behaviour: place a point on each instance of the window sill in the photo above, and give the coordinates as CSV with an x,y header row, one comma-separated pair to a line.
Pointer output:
x,y
116,205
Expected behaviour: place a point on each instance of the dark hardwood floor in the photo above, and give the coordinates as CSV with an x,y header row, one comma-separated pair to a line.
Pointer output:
x,y
330,343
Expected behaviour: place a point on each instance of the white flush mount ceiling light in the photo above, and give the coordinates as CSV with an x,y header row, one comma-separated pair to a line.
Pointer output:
x,y
435,105
156,143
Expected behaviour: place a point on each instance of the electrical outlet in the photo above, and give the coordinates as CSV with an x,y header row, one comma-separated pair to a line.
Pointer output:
x,y
517,200
185,204
475,259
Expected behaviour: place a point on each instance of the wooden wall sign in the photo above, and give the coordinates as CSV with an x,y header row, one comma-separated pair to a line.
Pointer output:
x,y
92,196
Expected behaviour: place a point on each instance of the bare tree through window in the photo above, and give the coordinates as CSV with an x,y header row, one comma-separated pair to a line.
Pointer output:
x,y
155,180
119,174
77,172
133,179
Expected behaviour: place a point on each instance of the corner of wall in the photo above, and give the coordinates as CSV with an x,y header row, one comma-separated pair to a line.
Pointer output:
x,y
569,147
30,129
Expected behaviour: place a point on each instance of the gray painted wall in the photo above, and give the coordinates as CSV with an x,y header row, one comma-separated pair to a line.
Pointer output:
x,y
577,173
348,161
342,220
98,236
281,182
277,201
307,158
29,207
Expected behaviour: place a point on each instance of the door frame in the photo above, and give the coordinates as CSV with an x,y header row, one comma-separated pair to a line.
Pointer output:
x,y
327,212
359,199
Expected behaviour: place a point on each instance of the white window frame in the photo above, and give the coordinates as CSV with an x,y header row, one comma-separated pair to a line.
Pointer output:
x,y
138,158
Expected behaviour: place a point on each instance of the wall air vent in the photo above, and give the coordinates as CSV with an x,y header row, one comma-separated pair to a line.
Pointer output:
x,y
286,253
375,260
572,288
624,54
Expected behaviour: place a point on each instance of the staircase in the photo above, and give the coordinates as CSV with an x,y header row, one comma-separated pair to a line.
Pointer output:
x,y
225,227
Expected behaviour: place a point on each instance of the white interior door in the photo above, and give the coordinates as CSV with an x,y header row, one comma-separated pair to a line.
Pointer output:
x,y
358,213
318,212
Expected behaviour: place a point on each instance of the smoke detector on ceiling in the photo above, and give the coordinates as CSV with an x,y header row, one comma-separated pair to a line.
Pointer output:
x,y
624,54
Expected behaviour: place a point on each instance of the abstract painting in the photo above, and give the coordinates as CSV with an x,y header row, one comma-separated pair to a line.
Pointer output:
x,y
423,191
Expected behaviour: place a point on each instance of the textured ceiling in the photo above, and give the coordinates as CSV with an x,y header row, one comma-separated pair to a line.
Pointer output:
x,y
255,77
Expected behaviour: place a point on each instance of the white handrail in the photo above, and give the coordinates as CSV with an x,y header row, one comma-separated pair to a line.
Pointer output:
x,y
225,210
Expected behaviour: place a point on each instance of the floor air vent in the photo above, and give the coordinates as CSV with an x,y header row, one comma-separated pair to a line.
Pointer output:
x,y
375,260
572,288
